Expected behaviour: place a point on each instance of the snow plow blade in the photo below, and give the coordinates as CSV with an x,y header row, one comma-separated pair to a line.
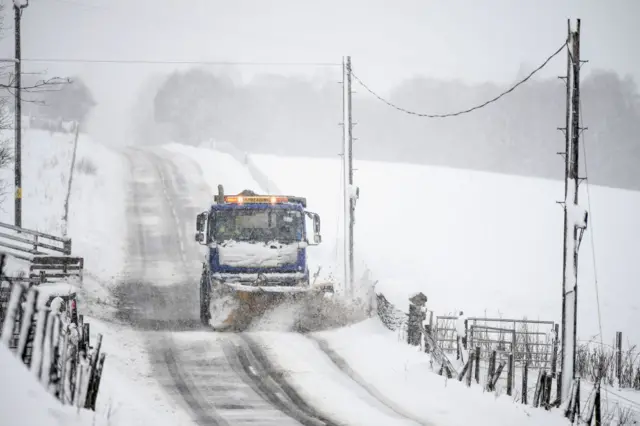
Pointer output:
x,y
245,307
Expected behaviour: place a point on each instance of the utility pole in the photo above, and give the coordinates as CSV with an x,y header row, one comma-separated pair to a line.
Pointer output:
x,y
349,198
17,9
572,221
65,216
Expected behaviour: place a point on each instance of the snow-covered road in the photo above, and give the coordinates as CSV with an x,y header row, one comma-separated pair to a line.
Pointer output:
x,y
215,378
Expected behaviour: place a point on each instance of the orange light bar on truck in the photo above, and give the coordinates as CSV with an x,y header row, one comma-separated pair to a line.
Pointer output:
x,y
255,199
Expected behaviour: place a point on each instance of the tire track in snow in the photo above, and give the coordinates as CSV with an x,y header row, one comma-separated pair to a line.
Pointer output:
x,y
204,415
274,387
342,364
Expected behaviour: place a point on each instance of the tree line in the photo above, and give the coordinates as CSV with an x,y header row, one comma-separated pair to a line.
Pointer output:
x,y
517,135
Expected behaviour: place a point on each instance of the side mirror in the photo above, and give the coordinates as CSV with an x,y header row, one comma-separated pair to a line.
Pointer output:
x,y
317,238
201,221
199,237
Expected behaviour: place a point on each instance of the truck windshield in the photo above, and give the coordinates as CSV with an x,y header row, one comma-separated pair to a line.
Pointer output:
x,y
258,225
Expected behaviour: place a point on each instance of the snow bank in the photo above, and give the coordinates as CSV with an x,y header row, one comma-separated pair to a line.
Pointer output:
x,y
24,401
321,384
473,241
405,377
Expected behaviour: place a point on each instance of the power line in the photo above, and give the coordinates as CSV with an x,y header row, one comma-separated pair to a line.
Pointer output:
x,y
592,239
593,249
170,62
454,114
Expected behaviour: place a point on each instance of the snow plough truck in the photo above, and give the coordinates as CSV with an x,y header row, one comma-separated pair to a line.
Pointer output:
x,y
255,257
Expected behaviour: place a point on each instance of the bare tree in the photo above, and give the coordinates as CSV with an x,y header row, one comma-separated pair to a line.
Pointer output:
x,y
7,95
6,154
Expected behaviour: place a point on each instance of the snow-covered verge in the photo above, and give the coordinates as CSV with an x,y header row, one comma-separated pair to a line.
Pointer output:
x,y
96,221
24,401
129,390
392,374
480,242
408,380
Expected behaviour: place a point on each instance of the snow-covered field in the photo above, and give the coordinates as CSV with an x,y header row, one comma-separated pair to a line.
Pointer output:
x,y
480,242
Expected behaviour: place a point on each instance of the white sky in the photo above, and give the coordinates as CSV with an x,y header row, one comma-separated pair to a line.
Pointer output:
x,y
388,40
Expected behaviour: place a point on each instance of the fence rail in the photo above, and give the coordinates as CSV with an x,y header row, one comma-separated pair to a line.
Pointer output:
x,y
49,255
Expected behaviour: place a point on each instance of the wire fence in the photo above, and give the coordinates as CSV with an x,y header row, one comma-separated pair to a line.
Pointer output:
x,y
531,341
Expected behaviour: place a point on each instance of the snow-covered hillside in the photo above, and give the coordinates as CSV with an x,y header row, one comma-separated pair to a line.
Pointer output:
x,y
96,222
475,241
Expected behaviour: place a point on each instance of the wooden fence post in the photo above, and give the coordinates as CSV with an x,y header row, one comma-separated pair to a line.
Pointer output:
x,y
462,373
491,370
27,323
38,340
544,393
96,385
597,407
63,364
85,337
465,341
47,351
496,376
576,405
510,375
525,376
573,406
470,372
13,309
93,363
554,353
536,393
477,364
619,357
547,393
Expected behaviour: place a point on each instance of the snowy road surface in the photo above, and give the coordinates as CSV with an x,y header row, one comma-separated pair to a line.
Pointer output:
x,y
216,379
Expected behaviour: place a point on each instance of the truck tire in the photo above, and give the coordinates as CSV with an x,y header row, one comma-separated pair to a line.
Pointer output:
x,y
205,298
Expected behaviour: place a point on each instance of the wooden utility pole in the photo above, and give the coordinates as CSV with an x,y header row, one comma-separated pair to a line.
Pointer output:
x,y
17,9
65,216
571,211
349,189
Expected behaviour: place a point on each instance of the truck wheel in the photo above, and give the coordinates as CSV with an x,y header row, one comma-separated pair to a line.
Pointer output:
x,y
205,298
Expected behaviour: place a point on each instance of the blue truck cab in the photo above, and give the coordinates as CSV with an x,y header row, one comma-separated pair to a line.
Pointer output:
x,y
255,243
